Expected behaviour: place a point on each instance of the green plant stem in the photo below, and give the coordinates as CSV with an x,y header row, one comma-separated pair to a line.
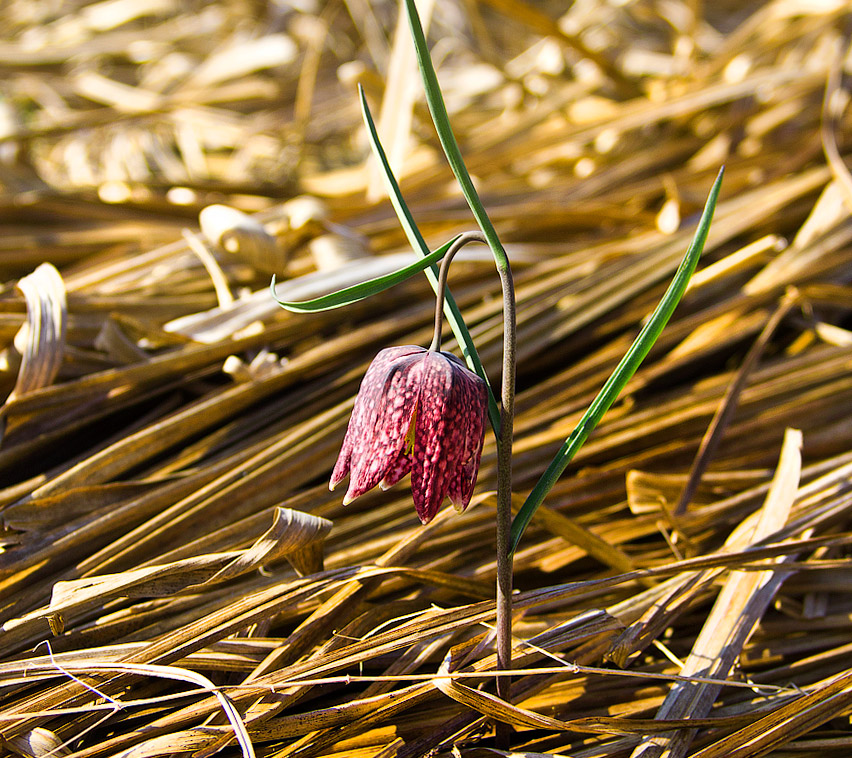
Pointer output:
x,y
504,439
504,500
504,462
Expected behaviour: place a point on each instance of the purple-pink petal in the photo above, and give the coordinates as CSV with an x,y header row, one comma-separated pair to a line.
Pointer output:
x,y
397,470
474,395
380,419
433,438
417,412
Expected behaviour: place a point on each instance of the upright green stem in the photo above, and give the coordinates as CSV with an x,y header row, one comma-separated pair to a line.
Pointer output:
x,y
504,499
504,462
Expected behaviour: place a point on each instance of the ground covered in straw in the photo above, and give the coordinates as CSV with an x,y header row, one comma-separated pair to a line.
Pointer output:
x,y
175,572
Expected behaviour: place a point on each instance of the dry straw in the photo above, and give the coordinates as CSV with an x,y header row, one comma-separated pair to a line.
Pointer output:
x,y
168,434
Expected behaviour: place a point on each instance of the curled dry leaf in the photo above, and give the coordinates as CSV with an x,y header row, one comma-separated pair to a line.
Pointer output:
x,y
293,535
39,743
244,237
41,340
300,216
333,250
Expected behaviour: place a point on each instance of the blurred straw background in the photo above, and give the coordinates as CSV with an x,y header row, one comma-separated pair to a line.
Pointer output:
x,y
175,574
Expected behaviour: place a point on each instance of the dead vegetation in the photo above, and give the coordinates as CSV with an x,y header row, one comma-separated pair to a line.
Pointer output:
x,y
174,569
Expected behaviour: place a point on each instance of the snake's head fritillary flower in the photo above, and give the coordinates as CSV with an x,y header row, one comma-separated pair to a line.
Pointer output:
x,y
418,412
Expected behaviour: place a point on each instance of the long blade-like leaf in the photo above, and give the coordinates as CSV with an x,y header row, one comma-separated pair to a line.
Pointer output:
x,y
441,119
415,239
365,289
622,374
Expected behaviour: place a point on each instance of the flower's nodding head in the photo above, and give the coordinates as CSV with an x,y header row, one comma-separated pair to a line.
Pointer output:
x,y
419,412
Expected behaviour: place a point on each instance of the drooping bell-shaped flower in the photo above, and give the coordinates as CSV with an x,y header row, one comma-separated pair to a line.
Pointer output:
x,y
420,412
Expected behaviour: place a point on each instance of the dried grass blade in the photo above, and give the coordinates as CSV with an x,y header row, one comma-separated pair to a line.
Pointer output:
x,y
177,674
737,610
785,723
42,338
713,435
292,532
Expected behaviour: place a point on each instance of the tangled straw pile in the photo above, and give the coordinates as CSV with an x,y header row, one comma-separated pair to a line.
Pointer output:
x,y
174,569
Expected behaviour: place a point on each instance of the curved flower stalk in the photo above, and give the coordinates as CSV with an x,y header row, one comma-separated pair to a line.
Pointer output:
x,y
421,412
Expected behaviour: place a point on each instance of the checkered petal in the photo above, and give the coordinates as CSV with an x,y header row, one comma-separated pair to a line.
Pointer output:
x,y
380,419
397,470
472,395
418,412
449,431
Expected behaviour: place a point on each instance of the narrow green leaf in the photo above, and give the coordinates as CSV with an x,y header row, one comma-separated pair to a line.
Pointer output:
x,y
441,119
622,374
415,239
365,289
